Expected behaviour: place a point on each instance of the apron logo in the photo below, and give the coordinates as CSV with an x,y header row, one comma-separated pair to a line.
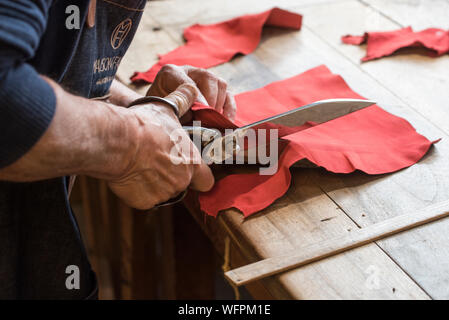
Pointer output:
x,y
120,32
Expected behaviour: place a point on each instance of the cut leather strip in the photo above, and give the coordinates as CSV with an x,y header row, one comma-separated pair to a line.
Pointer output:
x,y
371,140
214,44
381,44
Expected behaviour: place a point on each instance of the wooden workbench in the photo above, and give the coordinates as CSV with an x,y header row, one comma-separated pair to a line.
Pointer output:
x,y
414,264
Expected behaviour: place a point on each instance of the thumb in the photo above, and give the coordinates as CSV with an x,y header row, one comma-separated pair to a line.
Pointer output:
x,y
202,179
184,97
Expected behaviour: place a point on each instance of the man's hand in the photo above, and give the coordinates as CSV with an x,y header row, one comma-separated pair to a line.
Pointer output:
x,y
213,90
131,148
159,169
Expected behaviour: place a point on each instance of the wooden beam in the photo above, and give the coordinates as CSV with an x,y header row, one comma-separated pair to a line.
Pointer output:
x,y
330,247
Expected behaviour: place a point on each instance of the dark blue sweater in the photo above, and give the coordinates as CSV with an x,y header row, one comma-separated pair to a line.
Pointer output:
x,y
27,102
38,234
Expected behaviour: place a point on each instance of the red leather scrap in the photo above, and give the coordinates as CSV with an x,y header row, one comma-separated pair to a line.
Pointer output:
x,y
214,44
381,44
371,140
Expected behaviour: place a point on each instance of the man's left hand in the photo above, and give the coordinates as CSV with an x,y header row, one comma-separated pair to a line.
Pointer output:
x,y
213,90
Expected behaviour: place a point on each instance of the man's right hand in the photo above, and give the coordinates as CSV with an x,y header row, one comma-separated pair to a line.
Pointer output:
x,y
131,148
159,170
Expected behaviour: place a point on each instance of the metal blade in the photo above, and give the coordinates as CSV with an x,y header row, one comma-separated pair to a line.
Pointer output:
x,y
319,112
287,123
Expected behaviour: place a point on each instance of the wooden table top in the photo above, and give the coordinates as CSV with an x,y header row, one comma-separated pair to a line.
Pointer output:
x,y
319,204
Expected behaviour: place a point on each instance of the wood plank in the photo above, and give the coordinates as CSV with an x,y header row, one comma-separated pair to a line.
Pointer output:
x,y
422,253
175,12
217,231
333,246
194,258
256,289
420,14
306,216
96,243
259,236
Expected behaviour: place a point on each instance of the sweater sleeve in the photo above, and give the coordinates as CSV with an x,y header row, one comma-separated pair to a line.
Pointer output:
x,y
27,102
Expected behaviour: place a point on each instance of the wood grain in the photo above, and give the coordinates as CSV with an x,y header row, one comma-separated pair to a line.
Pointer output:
x,y
303,217
169,13
423,253
417,79
333,246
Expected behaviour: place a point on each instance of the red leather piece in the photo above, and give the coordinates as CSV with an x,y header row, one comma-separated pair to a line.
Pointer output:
x,y
371,140
214,44
381,44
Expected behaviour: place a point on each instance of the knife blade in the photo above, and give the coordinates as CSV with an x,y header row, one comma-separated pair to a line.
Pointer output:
x,y
319,112
287,123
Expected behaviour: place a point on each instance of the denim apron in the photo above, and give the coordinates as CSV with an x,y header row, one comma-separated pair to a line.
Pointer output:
x,y
39,237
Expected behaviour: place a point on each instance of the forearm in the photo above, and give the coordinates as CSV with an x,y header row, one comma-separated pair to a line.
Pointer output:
x,y
84,137
131,148
121,95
